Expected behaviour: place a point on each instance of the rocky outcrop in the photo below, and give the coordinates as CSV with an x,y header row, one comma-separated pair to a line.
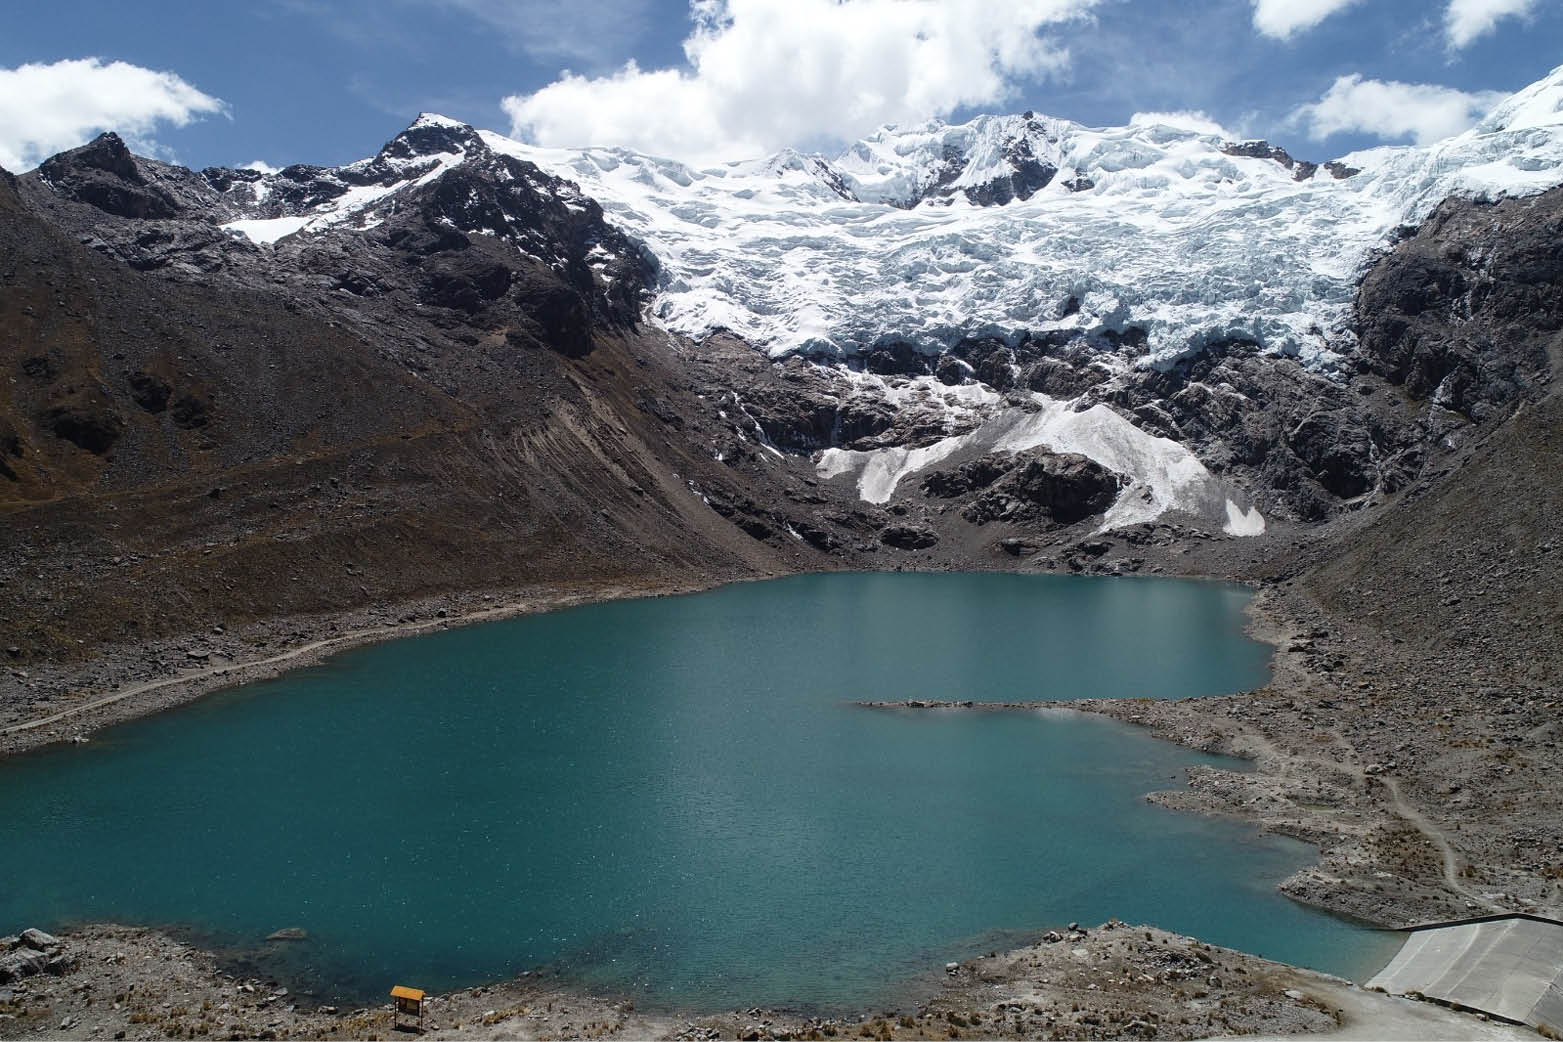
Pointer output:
x,y
103,174
31,953
908,537
1466,312
1029,488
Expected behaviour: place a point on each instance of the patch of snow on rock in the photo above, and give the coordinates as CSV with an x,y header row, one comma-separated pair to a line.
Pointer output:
x,y
1162,475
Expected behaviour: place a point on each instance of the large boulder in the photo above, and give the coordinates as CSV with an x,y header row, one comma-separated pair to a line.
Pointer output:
x,y
908,537
23,962
37,940
1069,487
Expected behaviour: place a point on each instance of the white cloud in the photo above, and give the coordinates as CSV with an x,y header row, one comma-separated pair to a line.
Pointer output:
x,y
46,109
1198,122
764,74
1465,20
261,165
1420,111
1284,18
594,30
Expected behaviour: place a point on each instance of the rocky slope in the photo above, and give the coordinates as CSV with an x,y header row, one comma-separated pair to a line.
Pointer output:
x,y
196,431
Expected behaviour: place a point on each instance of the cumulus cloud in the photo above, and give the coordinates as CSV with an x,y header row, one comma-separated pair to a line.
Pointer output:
x,y
763,74
261,165
1198,122
1284,18
1465,20
46,109
1422,112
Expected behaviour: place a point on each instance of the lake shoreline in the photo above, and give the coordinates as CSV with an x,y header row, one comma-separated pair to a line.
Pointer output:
x,y
1107,981
79,701
248,656
1344,882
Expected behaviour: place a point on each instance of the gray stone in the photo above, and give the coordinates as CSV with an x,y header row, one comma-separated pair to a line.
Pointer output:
x,y
24,962
290,933
35,938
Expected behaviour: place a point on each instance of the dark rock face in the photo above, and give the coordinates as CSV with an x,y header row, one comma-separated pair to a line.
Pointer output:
x,y
103,173
1469,326
969,477
1030,175
1079,182
1026,175
1338,451
1034,487
463,282
1301,169
1067,486
908,537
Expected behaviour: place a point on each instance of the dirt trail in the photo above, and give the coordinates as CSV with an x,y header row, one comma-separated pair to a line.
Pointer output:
x,y
1453,862
1263,749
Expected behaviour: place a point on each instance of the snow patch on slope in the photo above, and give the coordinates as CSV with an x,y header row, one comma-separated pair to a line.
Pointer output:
x,y
267,230
1162,475
353,206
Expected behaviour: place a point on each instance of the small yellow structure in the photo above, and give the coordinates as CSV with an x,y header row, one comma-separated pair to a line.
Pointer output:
x,y
408,1001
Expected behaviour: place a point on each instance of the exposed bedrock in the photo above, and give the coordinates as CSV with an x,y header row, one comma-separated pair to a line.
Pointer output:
x,y
1037,486
105,175
1467,311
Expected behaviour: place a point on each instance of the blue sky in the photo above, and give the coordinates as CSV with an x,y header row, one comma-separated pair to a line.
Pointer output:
x,y
325,82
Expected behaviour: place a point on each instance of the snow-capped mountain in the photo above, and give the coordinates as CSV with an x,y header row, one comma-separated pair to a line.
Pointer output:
x,y
1182,311
1008,226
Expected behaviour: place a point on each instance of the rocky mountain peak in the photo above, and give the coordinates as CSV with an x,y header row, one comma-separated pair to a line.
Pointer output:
x,y
988,161
433,135
104,174
106,152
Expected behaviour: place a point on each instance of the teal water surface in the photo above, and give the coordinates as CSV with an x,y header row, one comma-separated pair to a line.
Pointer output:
x,y
675,797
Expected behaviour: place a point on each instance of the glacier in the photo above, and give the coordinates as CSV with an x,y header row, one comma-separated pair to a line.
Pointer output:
x,y
1150,227
1176,236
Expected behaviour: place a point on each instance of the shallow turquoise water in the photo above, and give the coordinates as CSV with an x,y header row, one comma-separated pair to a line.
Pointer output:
x,y
674,797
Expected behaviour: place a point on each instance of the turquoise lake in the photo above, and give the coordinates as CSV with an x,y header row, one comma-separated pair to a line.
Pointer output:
x,y
675,798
